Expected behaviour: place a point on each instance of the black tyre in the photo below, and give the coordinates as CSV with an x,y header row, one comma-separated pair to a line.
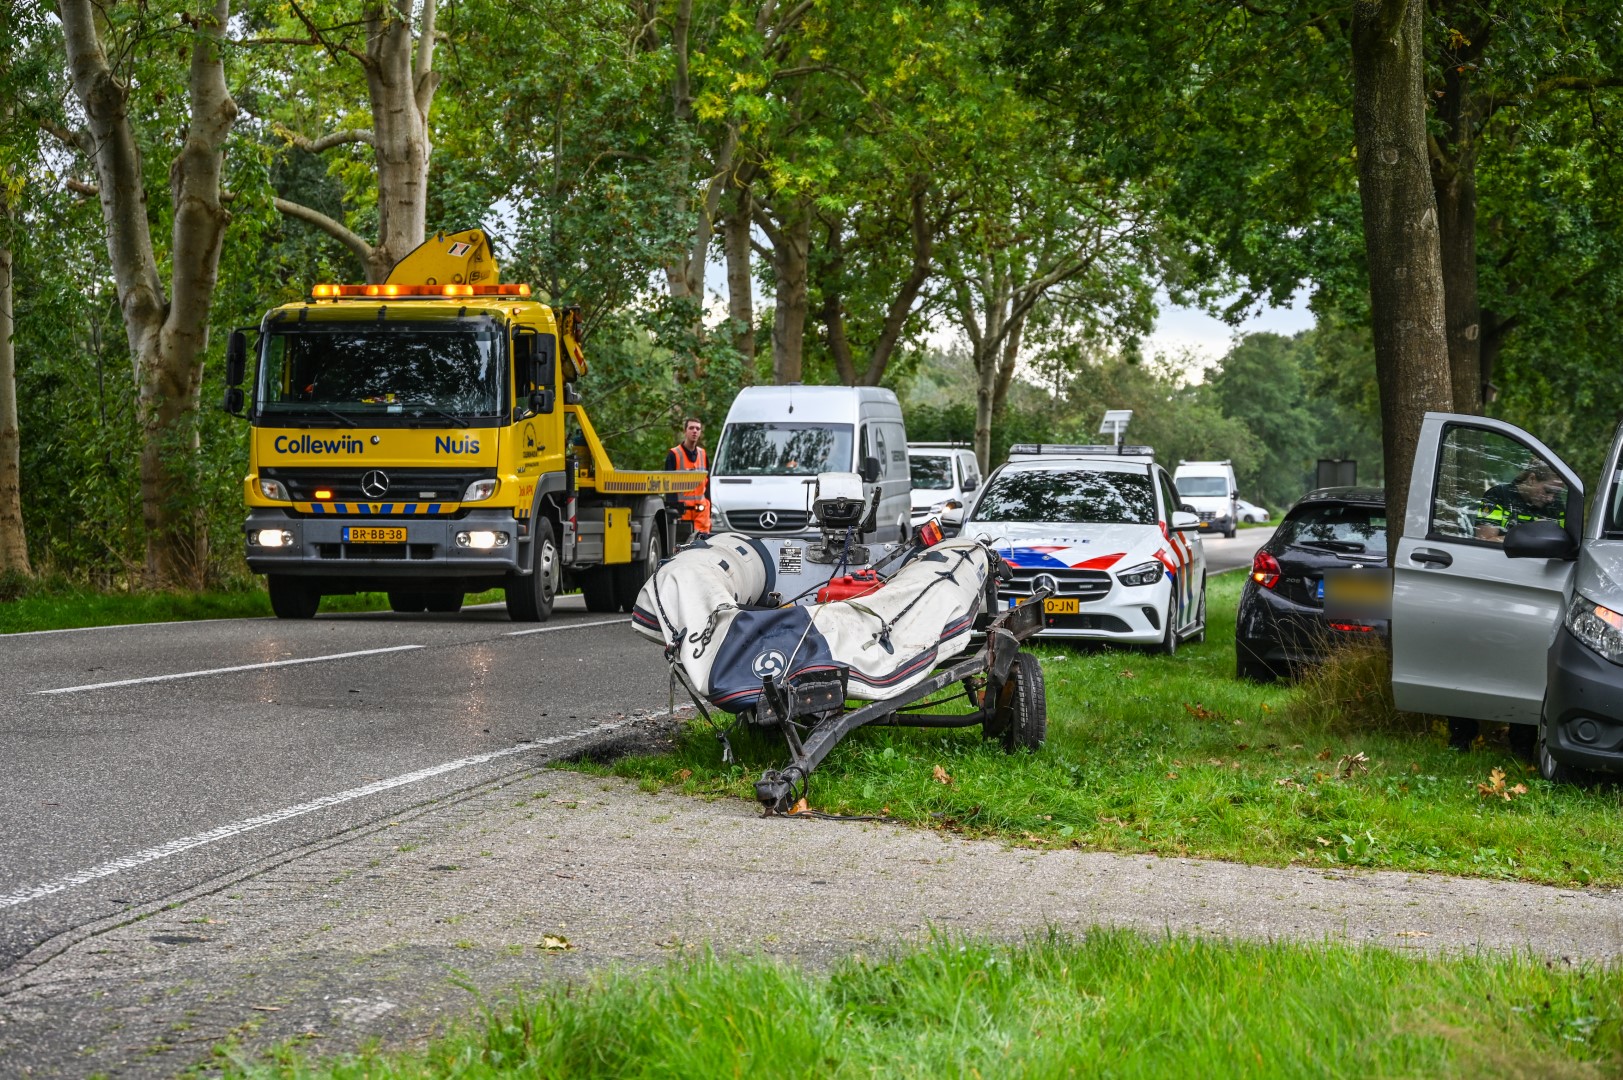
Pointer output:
x,y
1251,668
1462,732
629,579
1169,640
529,599
445,600
292,597
1230,531
597,586
1028,705
1556,772
407,602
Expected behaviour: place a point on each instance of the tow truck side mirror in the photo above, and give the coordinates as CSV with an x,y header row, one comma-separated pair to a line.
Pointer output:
x,y
236,367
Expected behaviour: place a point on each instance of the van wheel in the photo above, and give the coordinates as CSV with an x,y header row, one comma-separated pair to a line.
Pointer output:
x,y
529,599
407,602
597,586
292,597
628,580
444,601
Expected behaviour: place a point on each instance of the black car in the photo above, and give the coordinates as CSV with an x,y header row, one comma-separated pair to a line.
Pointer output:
x,y
1281,623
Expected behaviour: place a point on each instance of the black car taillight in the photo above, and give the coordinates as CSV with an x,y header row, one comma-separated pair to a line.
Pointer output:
x,y
1265,570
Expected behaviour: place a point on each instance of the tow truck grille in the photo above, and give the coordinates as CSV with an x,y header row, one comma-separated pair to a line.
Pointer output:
x,y
405,484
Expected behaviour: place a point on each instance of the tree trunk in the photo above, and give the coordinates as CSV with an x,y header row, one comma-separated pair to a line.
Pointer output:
x,y
168,336
986,348
13,538
791,250
1400,233
740,281
1453,175
1005,371
401,81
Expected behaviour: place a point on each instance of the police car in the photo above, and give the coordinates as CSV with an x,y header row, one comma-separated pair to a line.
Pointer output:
x,y
1101,527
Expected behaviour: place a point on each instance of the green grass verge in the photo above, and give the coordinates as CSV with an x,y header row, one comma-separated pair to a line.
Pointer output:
x,y
1117,1004
1173,755
63,607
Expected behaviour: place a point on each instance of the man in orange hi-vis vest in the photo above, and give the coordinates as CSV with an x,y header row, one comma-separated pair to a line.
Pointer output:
x,y
688,454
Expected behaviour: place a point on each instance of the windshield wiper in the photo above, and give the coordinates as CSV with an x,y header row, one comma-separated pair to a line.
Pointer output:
x,y
334,413
1350,546
459,421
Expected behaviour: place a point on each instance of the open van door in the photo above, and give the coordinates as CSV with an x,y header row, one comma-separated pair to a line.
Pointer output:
x,y
1471,628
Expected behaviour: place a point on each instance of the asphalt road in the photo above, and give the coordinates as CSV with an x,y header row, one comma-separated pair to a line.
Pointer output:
x,y
140,761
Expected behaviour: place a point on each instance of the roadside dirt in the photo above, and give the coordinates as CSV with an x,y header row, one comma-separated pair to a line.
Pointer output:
x,y
377,936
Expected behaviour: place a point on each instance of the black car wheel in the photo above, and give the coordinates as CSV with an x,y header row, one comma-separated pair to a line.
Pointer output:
x,y
1556,772
1200,615
1169,640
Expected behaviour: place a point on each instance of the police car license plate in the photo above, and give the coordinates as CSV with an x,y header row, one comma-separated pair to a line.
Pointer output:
x,y
1060,605
374,534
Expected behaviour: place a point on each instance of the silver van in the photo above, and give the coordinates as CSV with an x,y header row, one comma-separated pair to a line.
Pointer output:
x,y
778,438
1507,603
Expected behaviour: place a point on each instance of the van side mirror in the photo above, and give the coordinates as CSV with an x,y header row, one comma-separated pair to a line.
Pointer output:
x,y
236,358
1540,540
870,470
971,483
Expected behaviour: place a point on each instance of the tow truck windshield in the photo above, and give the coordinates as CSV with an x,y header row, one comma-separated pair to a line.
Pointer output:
x,y
383,375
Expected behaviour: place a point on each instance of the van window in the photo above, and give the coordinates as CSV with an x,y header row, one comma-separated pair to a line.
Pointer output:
x,y
1203,487
783,449
932,473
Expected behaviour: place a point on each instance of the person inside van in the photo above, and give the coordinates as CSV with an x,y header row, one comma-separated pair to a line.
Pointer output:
x,y
1536,494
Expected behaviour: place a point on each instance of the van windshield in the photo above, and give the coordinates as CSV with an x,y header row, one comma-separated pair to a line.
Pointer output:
x,y
932,473
1203,487
781,449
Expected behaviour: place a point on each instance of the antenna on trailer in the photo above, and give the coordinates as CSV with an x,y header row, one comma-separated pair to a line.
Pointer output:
x,y
1115,425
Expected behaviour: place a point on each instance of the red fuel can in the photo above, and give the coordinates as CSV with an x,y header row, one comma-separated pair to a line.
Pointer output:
x,y
849,587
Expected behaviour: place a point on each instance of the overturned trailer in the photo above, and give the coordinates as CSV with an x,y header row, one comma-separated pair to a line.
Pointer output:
x,y
787,634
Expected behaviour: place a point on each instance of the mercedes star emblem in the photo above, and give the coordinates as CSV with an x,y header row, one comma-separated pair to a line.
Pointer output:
x,y
375,484
1046,581
769,520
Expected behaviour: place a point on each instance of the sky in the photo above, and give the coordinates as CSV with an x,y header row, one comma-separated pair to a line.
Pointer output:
x,y
1179,329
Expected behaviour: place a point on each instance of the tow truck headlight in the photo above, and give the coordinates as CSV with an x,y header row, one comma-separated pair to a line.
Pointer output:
x,y
272,538
1142,574
1596,626
481,539
273,489
479,491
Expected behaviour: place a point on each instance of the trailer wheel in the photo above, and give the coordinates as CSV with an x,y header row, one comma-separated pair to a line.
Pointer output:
x,y
597,586
529,599
292,597
449,600
407,602
1028,712
628,580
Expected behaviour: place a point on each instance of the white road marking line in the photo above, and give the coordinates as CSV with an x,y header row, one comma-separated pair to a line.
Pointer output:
x,y
570,626
186,843
125,626
227,670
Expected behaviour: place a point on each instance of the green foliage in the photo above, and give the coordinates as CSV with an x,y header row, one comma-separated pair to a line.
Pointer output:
x,y
1113,1003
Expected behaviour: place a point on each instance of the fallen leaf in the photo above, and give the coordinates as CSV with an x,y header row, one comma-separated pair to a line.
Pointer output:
x,y
799,807
1199,711
1172,776
1322,755
1322,842
1352,765
1265,708
1214,761
941,776
1495,787
1412,933
555,943
683,774
1125,674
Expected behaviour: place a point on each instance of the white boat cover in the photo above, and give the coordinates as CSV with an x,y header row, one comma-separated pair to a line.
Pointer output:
x,y
701,605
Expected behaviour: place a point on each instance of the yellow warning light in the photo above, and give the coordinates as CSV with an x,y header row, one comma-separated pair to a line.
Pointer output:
x,y
323,493
391,290
458,290
524,290
322,292
374,290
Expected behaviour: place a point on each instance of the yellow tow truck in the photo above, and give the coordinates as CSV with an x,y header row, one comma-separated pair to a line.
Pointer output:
x,y
425,437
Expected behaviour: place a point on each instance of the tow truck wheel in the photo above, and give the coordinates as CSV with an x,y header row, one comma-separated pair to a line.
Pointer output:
x,y
529,599
292,597
1028,715
597,586
407,602
628,580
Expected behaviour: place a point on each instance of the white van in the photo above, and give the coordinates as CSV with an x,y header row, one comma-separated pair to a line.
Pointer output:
x,y
944,476
778,438
1209,487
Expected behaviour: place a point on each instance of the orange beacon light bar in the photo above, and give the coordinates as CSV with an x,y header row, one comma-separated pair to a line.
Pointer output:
x,y
391,291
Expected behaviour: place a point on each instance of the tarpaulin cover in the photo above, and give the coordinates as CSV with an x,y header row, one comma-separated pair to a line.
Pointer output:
x,y
703,604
